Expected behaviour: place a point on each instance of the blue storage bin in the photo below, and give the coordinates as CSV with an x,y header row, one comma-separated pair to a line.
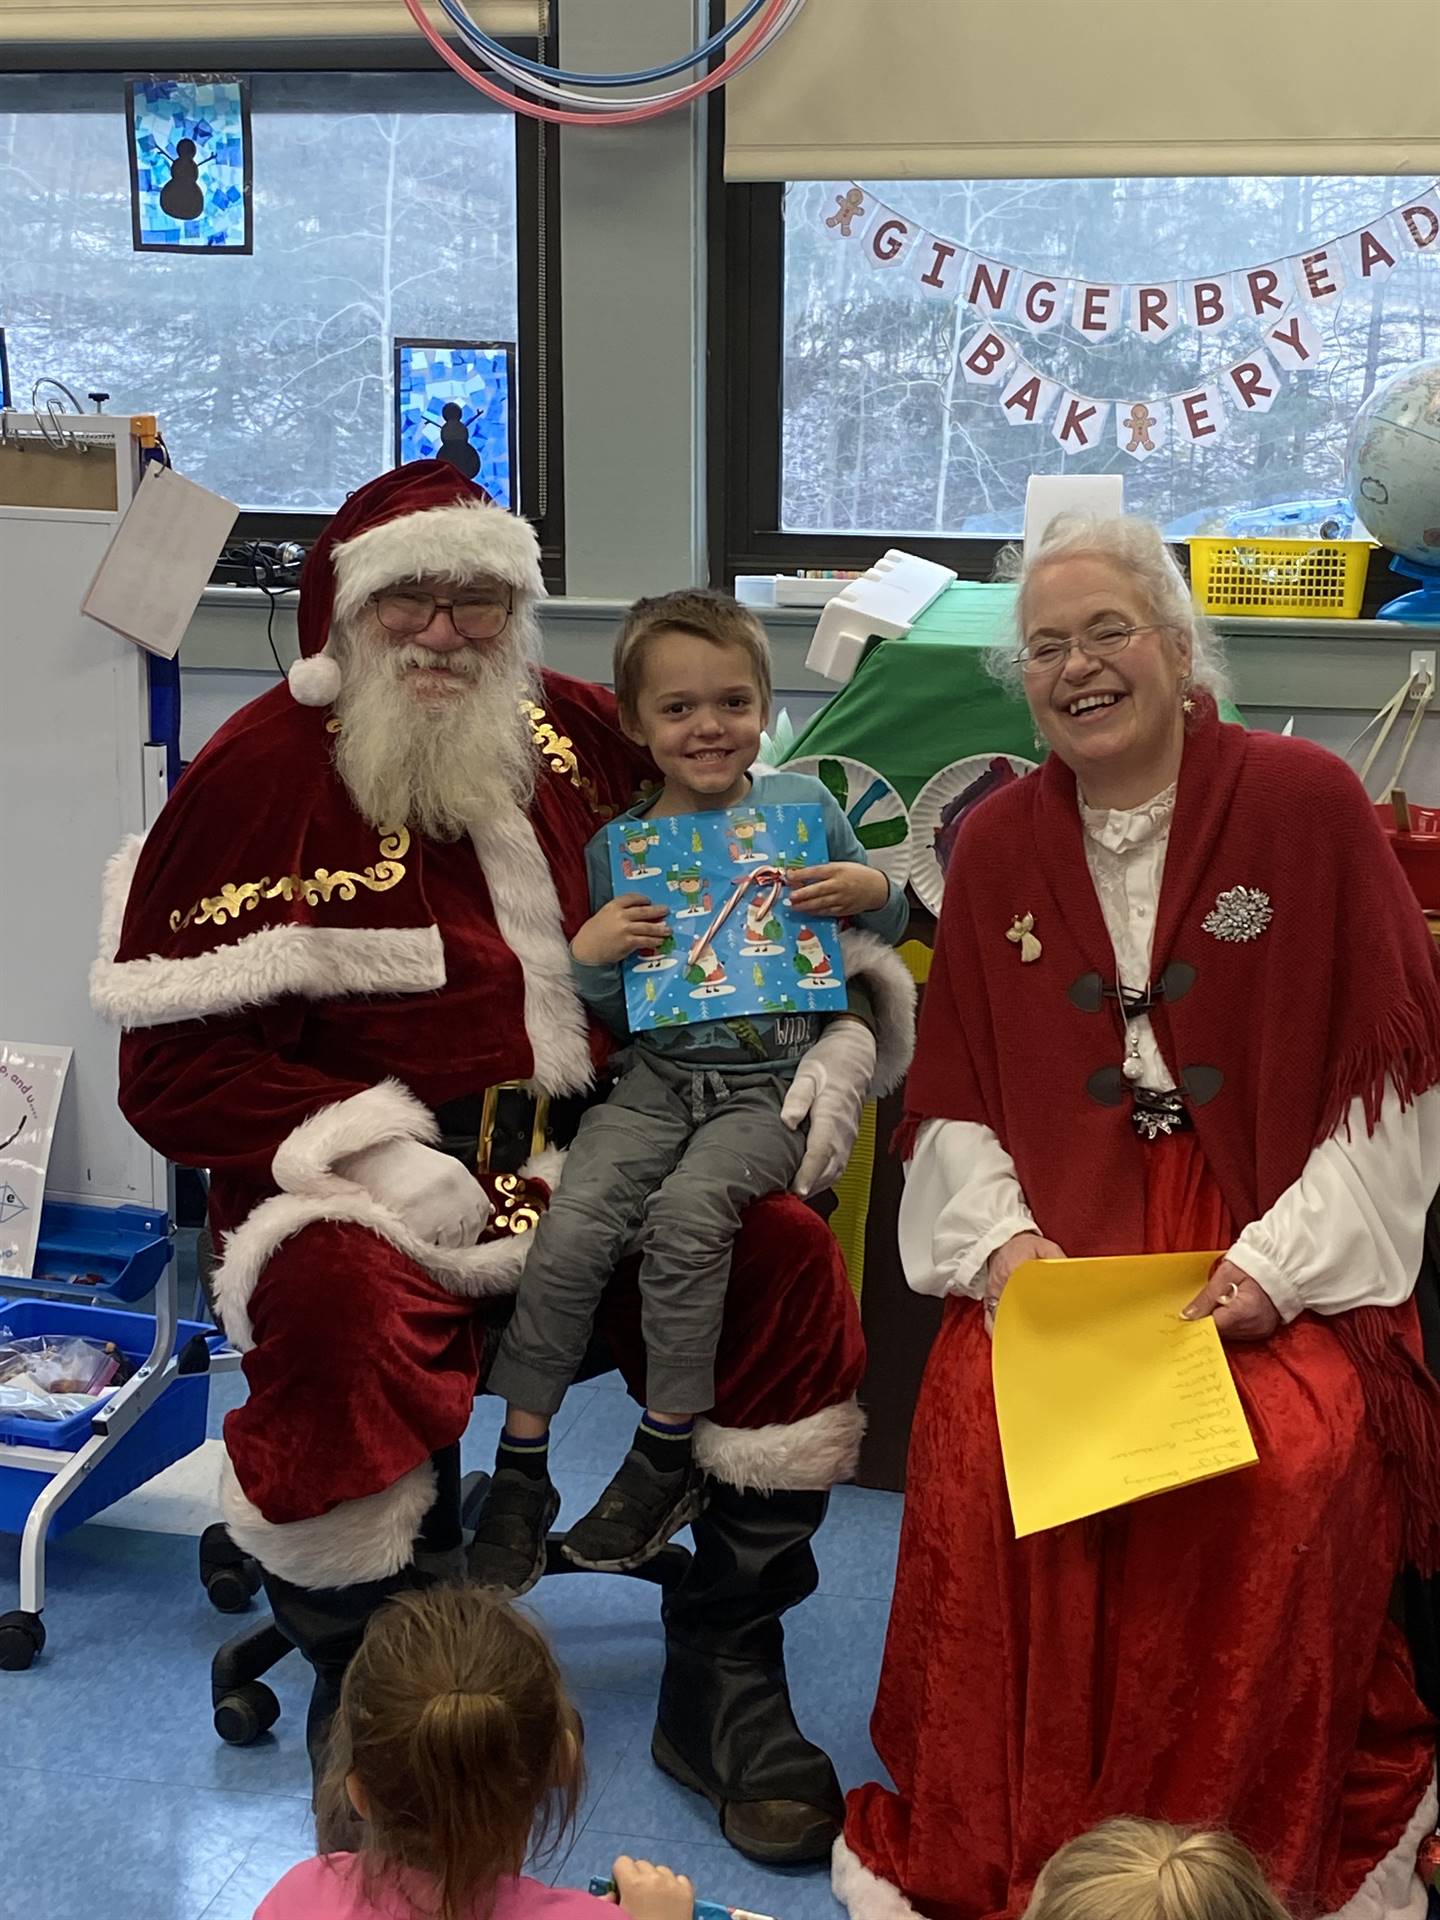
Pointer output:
x,y
169,1429
120,1251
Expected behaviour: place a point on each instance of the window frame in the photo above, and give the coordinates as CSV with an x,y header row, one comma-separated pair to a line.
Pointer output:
x,y
538,355
746,343
743,423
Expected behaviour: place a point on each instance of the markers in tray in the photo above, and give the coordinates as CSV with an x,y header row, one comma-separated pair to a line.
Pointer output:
x,y
704,1909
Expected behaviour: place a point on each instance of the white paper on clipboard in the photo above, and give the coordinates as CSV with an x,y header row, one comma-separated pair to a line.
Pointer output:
x,y
155,569
1047,495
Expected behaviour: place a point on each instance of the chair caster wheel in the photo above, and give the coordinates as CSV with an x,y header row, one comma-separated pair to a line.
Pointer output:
x,y
242,1716
231,1579
231,1589
22,1636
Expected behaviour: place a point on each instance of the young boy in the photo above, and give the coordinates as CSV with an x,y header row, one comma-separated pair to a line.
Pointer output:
x,y
692,1132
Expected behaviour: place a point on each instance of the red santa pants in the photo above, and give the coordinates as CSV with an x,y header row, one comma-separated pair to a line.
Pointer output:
x,y
363,1366
1219,1656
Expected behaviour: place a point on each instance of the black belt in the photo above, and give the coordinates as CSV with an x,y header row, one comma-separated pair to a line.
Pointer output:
x,y
498,1130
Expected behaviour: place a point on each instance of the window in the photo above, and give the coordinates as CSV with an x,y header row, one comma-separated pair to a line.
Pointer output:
x,y
387,206
847,417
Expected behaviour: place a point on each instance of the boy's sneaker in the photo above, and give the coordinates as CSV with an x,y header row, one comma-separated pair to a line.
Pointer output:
x,y
507,1554
635,1515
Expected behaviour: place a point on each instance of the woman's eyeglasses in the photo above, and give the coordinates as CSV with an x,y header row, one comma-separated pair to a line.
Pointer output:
x,y
1100,642
405,610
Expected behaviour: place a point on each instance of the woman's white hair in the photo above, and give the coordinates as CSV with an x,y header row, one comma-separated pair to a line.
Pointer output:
x,y
1138,547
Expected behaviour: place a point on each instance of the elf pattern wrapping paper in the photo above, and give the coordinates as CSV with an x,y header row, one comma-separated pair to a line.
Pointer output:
x,y
732,944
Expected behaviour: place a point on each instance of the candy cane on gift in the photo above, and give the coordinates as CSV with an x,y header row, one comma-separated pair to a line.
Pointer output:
x,y
771,878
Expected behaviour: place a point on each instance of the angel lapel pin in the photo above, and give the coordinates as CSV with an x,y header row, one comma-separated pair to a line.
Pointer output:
x,y
1022,933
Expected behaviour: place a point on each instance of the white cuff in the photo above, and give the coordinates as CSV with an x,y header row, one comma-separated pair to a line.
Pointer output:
x,y
968,1275
1284,1295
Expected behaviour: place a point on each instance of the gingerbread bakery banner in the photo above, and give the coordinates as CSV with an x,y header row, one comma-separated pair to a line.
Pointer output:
x,y
1278,298
1141,427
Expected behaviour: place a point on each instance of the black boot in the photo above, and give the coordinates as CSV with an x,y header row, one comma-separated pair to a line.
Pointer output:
x,y
326,1625
725,1727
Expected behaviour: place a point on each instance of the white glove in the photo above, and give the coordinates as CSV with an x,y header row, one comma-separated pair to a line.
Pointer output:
x,y
439,1200
829,1089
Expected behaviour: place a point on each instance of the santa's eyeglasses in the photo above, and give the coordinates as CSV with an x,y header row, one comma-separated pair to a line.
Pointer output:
x,y
475,616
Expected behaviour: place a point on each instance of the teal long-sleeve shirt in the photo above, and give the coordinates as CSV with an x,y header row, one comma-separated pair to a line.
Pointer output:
x,y
751,1040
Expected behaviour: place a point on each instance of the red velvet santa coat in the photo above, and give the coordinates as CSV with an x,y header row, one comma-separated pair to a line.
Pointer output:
x,y
296,986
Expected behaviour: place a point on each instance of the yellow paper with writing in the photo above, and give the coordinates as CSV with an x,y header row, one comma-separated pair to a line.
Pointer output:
x,y
1103,1393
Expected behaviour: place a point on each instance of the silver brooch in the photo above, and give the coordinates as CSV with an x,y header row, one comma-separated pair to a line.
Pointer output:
x,y
1240,913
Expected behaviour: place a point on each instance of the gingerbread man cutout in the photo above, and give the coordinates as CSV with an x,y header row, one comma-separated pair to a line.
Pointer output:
x,y
848,208
1139,422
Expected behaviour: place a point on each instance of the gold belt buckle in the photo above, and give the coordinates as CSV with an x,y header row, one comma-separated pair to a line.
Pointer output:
x,y
540,1126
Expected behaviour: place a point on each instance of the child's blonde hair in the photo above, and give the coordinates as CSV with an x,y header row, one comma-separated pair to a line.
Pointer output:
x,y
1143,1870
703,611
455,1725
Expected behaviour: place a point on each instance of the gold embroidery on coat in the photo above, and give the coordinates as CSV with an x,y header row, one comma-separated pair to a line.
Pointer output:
x,y
521,1218
559,754
237,897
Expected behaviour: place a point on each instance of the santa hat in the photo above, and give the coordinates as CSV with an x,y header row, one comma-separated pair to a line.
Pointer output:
x,y
424,518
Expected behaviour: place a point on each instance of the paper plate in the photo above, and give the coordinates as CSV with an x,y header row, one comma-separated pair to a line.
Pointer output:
x,y
875,809
927,876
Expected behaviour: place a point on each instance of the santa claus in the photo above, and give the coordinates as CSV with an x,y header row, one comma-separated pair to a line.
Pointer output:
x,y
341,963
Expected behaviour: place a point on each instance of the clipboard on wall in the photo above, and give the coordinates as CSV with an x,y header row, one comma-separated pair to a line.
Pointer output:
x,y
51,464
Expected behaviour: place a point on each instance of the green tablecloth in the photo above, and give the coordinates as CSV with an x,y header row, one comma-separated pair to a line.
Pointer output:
x,y
917,703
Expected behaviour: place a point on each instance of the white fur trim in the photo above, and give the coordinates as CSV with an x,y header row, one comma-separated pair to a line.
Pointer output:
x,y
317,963
315,681
807,1455
457,542
868,958
305,1160
527,912
1392,1890
304,1166
474,1273
358,1540
546,1166
115,887
863,1893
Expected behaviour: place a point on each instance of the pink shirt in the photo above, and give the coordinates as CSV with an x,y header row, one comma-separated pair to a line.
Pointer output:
x,y
328,1888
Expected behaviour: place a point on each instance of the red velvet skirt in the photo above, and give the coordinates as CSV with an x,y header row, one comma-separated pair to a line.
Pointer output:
x,y
1218,1656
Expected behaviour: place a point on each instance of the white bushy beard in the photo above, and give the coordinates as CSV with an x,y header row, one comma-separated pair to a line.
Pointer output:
x,y
436,765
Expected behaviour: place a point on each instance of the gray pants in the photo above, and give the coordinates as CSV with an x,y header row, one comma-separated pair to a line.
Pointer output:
x,y
667,1165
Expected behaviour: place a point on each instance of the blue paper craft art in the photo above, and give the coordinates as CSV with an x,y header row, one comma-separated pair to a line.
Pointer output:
x,y
190,166
455,401
727,867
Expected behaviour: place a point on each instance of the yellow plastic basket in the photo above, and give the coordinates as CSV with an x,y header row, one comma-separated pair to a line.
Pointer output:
x,y
1303,579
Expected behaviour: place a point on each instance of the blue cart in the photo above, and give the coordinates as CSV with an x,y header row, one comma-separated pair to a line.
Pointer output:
x,y
56,1474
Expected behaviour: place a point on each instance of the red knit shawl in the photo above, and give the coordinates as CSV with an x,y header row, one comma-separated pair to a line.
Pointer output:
x,y
1336,999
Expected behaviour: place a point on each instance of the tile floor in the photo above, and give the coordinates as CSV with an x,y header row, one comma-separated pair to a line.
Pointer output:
x,y
125,1802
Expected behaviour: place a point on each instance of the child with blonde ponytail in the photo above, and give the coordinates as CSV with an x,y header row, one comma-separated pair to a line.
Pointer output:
x,y
1143,1870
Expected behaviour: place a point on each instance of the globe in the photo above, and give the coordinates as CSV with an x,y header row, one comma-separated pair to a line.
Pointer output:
x,y
1392,463
1392,473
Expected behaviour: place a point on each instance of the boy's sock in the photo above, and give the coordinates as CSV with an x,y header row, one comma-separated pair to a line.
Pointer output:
x,y
666,1444
530,1457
